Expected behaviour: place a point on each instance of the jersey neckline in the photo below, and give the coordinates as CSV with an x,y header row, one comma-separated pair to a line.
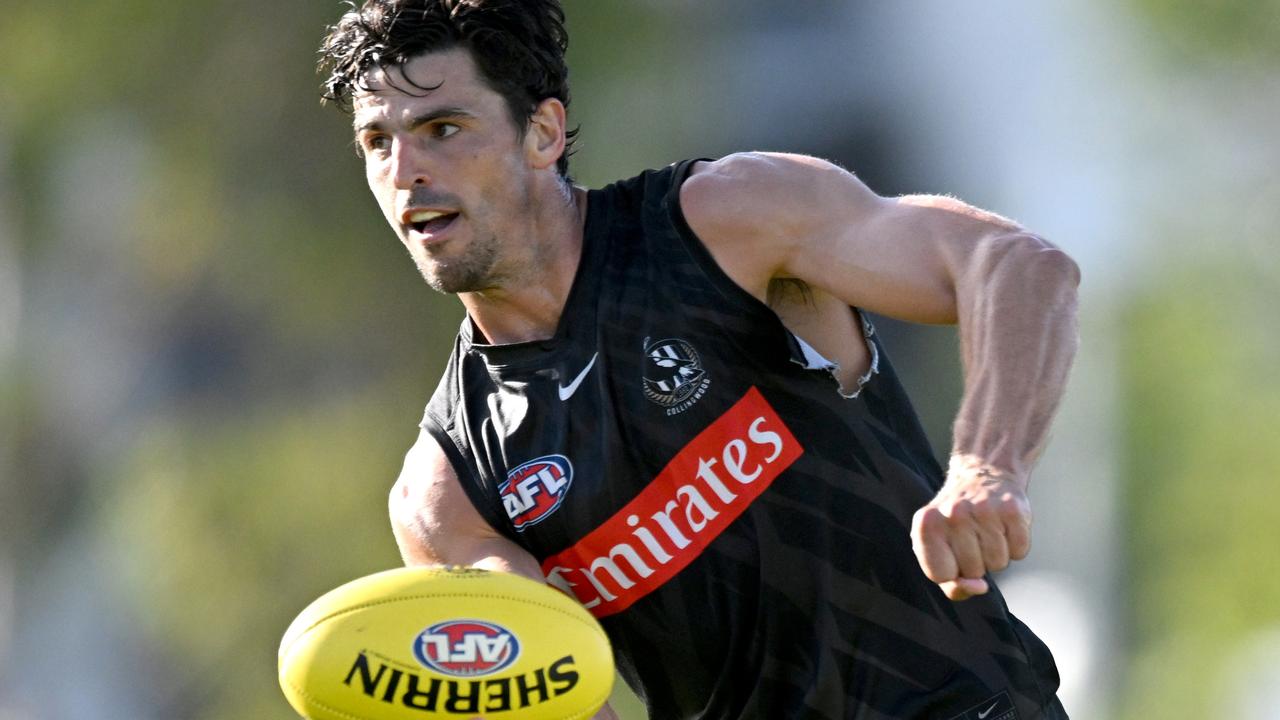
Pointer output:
x,y
579,305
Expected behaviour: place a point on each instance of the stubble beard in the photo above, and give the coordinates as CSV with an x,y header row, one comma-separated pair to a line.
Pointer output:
x,y
477,269
473,272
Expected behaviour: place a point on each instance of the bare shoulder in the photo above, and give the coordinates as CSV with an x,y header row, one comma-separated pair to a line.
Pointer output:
x,y
746,189
754,210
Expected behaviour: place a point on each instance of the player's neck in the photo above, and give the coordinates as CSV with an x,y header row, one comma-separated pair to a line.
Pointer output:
x,y
529,304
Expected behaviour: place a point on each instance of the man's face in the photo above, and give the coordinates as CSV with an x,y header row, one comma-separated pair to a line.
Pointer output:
x,y
447,166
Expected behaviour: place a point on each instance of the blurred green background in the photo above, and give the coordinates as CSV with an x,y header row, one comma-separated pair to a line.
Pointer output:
x,y
213,353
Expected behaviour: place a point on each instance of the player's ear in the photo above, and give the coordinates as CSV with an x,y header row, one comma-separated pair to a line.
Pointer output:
x,y
545,136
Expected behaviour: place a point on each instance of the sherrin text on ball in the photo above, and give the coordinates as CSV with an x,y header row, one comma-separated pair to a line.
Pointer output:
x,y
416,643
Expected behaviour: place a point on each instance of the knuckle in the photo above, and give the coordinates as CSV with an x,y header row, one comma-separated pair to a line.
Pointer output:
x,y
985,512
960,512
927,520
1012,512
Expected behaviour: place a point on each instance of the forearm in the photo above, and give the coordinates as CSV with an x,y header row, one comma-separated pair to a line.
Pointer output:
x,y
1016,306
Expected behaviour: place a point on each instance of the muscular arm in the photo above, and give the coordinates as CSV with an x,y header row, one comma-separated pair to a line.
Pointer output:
x,y
435,524
921,259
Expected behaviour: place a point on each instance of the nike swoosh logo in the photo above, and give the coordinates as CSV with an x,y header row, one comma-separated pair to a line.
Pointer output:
x,y
987,712
567,391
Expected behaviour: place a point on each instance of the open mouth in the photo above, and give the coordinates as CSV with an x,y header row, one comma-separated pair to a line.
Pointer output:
x,y
430,222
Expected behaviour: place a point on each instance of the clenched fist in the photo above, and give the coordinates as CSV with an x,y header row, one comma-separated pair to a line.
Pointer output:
x,y
979,521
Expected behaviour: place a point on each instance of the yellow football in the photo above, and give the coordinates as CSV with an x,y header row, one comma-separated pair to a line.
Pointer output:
x,y
416,643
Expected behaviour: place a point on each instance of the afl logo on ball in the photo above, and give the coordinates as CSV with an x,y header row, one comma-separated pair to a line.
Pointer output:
x,y
535,489
466,648
673,374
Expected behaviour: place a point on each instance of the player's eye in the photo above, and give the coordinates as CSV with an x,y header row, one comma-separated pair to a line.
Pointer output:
x,y
444,129
377,143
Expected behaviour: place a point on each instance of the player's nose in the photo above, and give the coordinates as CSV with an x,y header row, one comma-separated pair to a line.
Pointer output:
x,y
409,165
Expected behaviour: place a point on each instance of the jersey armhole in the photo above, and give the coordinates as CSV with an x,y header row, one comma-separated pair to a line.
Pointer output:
x,y
801,353
483,501
702,257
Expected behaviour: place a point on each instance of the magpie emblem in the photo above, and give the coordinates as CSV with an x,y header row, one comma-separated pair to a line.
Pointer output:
x,y
674,378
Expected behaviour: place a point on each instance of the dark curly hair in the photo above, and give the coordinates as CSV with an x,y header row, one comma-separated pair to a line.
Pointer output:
x,y
517,45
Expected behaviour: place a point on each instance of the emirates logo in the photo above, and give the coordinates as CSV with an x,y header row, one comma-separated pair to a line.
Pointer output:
x,y
669,523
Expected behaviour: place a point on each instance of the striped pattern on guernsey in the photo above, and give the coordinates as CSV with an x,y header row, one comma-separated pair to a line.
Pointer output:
x,y
741,528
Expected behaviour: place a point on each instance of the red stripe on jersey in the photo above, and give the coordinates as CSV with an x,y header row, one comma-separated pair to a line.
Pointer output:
x,y
704,488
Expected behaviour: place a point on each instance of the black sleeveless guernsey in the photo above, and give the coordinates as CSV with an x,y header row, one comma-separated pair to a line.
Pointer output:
x,y
688,468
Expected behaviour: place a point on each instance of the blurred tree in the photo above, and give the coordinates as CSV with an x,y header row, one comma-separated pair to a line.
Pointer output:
x,y
225,529
1202,394
1242,29
1202,401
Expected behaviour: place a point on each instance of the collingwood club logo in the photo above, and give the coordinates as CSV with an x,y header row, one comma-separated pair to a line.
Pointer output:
x,y
673,375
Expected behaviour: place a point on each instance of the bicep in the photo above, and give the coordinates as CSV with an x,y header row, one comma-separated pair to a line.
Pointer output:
x,y
435,523
908,257
766,216
892,258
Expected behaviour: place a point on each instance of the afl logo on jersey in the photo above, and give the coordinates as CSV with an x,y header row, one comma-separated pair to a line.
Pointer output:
x,y
673,374
535,489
